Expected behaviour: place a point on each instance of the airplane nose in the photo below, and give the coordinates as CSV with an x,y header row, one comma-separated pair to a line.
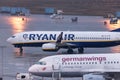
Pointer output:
x,y
8,40
33,69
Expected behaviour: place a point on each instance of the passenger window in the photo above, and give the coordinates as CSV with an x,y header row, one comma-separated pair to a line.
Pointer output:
x,y
114,62
117,62
86,62
89,62
111,62
83,62
92,62
105,62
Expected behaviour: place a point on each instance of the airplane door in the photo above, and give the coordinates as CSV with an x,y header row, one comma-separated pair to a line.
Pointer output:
x,y
56,63
118,38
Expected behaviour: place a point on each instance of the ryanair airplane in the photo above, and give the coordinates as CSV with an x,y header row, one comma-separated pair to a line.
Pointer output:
x,y
54,40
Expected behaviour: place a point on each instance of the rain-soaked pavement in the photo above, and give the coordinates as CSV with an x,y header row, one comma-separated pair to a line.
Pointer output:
x,y
10,61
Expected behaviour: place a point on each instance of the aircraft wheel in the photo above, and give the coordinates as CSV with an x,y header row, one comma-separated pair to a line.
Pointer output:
x,y
80,50
70,51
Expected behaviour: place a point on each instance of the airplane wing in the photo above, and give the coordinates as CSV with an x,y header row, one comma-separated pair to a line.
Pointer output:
x,y
54,46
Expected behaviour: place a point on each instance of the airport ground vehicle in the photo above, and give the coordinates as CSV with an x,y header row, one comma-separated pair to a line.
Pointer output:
x,y
23,76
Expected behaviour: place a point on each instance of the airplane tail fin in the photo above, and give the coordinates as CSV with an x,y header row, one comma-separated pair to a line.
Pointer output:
x,y
59,38
116,30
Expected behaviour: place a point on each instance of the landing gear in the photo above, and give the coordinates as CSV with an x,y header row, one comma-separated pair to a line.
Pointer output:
x,y
21,51
80,50
70,51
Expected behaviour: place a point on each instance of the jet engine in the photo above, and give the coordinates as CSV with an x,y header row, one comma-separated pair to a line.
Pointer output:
x,y
50,47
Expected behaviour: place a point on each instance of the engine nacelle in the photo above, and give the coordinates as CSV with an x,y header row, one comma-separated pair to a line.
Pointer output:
x,y
50,47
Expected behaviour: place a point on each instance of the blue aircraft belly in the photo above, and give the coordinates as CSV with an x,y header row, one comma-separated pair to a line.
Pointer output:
x,y
97,44
29,44
78,44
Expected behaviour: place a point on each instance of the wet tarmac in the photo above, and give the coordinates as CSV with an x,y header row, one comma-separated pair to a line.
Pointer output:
x,y
10,61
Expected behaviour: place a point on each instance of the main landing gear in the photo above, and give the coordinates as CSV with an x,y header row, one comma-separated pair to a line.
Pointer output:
x,y
70,51
80,50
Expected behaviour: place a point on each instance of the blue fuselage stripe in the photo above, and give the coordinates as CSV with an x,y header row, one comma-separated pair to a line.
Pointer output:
x,y
78,44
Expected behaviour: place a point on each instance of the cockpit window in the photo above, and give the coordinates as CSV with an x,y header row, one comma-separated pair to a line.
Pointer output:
x,y
41,63
13,36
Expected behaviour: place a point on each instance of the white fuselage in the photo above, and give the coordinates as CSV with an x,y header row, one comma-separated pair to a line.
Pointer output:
x,y
76,65
78,38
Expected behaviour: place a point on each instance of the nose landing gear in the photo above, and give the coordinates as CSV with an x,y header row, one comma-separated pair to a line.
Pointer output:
x,y
21,51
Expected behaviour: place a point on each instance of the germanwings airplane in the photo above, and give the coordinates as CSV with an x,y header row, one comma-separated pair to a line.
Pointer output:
x,y
76,65
54,40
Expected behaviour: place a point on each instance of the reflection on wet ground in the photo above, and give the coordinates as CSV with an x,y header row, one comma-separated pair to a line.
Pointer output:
x,y
17,23
10,61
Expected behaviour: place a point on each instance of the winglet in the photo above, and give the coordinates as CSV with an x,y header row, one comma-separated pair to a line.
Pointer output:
x,y
59,38
116,30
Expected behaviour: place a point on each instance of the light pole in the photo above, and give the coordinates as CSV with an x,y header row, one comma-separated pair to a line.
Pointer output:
x,y
2,50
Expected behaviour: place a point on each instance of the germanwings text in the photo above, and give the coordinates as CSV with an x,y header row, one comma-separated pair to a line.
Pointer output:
x,y
100,59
